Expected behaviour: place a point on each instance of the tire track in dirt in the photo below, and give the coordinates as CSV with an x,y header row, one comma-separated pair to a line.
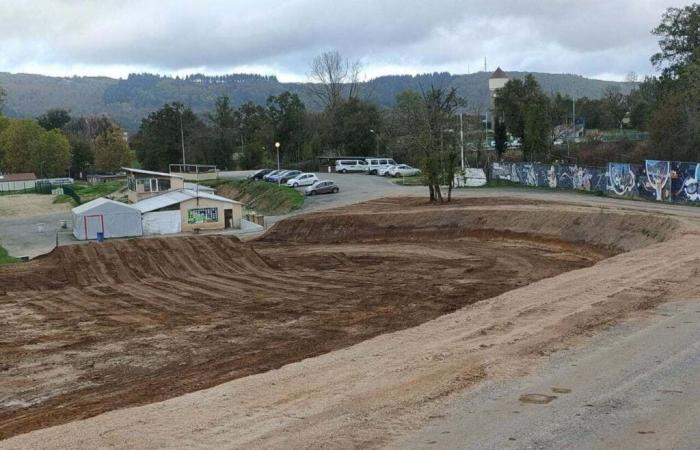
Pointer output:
x,y
136,321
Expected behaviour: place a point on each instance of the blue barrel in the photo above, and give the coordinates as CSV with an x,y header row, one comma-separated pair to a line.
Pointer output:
x,y
100,236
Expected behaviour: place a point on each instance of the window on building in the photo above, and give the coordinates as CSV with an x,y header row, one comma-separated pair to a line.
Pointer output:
x,y
202,215
131,184
164,184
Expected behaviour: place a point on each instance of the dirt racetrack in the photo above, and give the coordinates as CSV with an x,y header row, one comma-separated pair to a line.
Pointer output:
x,y
95,328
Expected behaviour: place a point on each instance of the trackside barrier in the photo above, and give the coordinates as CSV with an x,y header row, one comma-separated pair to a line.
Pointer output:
x,y
664,181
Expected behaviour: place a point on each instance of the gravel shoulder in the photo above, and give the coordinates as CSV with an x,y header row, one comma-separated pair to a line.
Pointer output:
x,y
630,387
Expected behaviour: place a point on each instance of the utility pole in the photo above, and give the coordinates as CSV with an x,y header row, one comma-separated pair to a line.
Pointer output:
x,y
573,123
182,140
461,139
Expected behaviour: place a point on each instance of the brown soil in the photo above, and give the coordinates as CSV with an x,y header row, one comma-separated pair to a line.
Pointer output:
x,y
92,328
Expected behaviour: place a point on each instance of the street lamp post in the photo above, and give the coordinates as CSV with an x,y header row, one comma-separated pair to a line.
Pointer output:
x,y
376,140
279,179
461,139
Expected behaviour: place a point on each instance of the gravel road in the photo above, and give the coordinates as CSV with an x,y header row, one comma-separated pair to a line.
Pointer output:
x,y
634,386
29,222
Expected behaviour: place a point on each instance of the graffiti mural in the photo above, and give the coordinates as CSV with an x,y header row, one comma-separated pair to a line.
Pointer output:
x,y
669,181
531,174
684,182
622,179
654,180
566,176
591,179
501,171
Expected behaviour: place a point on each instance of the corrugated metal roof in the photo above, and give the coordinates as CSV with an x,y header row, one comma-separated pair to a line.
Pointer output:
x,y
97,202
195,187
17,177
175,197
211,196
150,172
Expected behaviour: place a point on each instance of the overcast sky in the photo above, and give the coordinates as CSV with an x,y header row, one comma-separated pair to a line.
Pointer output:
x,y
596,38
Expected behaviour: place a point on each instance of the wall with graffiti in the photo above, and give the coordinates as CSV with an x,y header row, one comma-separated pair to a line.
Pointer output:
x,y
663,181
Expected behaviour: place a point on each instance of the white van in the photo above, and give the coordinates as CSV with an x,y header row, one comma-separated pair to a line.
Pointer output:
x,y
350,165
374,165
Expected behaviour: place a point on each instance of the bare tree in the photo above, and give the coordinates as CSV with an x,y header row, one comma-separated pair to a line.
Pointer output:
x,y
334,79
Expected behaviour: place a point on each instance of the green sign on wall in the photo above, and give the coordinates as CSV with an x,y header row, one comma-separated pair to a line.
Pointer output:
x,y
202,215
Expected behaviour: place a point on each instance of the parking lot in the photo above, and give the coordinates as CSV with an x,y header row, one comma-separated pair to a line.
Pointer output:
x,y
354,188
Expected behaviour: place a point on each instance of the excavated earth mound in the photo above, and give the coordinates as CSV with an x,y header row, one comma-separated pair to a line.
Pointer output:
x,y
93,328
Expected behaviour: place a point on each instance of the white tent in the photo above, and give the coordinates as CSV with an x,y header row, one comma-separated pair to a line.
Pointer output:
x,y
112,218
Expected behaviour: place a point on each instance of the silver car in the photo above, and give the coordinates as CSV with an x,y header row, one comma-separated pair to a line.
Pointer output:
x,y
322,187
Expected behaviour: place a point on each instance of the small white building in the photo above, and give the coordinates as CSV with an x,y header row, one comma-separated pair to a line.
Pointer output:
x,y
112,218
17,181
188,210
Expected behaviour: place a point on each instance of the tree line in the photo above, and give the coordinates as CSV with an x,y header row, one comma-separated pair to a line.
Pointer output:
x,y
666,106
56,145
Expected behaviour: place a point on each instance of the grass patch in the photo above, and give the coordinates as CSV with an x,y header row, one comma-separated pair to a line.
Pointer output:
x,y
89,192
264,198
5,257
416,180
513,184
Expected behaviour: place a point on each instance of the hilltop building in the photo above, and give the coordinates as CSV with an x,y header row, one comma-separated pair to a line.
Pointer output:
x,y
497,81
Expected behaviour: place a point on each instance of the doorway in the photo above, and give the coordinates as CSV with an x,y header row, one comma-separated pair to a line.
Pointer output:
x,y
228,218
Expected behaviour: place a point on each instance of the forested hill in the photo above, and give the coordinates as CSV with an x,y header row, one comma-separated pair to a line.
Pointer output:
x,y
129,100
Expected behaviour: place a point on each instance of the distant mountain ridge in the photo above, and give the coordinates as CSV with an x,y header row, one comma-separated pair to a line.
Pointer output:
x,y
129,100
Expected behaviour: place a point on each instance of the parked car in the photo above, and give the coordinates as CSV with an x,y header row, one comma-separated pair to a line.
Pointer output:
x,y
303,179
404,170
350,165
374,165
322,187
259,174
279,176
288,175
385,171
270,175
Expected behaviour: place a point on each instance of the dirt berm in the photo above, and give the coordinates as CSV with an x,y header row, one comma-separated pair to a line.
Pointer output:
x,y
382,220
338,329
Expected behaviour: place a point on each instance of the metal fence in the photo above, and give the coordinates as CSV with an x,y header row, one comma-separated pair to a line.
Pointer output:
x,y
17,187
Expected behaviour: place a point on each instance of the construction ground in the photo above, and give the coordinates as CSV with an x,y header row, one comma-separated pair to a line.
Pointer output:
x,y
384,324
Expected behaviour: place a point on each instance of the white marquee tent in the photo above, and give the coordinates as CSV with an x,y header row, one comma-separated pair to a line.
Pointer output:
x,y
112,218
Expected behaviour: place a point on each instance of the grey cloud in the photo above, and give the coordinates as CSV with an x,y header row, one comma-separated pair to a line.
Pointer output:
x,y
588,36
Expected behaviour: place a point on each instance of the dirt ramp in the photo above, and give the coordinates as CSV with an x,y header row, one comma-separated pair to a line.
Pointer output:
x,y
409,219
130,261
